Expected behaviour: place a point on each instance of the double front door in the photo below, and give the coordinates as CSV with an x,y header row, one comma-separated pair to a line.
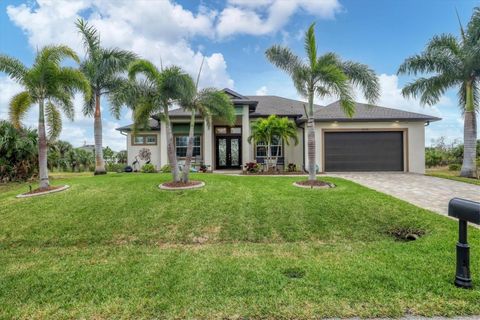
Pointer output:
x,y
229,152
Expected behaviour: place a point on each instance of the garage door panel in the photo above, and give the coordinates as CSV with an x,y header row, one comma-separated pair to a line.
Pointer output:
x,y
364,151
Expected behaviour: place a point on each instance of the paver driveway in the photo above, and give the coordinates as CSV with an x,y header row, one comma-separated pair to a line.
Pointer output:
x,y
427,192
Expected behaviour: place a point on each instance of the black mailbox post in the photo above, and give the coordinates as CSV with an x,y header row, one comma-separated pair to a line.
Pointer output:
x,y
465,211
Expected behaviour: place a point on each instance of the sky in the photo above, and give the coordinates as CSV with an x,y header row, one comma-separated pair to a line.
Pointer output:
x,y
232,37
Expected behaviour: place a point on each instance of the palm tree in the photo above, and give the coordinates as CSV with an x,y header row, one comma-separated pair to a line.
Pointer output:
x,y
52,87
285,130
265,130
102,68
451,62
321,76
208,103
153,96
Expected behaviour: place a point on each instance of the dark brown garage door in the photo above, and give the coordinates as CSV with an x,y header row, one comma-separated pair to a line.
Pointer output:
x,y
364,151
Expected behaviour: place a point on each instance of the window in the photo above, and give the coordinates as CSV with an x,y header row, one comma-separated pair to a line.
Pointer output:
x,y
276,146
181,143
145,139
221,130
228,130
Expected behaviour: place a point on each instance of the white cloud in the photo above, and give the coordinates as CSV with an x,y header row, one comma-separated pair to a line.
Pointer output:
x,y
256,17
262,91
156,30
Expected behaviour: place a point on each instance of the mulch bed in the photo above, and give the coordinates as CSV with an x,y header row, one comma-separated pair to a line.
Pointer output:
x,y
39,190
314,183
181,184
273,173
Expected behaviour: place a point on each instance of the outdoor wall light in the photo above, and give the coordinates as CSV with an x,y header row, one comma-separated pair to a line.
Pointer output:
x,y
465,211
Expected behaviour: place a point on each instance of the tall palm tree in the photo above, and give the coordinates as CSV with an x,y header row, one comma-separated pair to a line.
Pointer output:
x,y
153,96
321,76
52,87
102,68
208,103
451,62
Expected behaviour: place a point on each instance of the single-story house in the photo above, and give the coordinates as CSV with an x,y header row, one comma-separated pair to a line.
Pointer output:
x,y
374,139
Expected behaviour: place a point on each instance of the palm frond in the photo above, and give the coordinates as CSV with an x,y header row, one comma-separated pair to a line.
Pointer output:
x,y
444,42
217,104
428,89
310,46
53,120
145,67
91,38
283,58
363,77
53,55
114,60
13,67
472,33
19,105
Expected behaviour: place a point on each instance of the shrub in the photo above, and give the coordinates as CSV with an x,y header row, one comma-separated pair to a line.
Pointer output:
x,y
148,168
433,157
292,167
454,167
18,153
115,167
166,169
252,167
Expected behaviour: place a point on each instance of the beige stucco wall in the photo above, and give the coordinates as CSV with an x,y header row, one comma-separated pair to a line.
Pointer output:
x,y
132,150
415,140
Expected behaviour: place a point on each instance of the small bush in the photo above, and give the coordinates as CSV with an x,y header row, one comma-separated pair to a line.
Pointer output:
x,y
115,167
166,169
454,167
433,158
148,168
252,167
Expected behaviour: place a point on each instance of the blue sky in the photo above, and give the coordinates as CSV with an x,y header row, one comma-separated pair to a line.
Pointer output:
x,y
232,37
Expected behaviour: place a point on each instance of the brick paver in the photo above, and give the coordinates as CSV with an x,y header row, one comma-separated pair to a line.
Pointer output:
x,y
424,191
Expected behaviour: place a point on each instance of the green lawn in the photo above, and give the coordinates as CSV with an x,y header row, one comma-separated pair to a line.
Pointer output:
x,y
116,246
452,175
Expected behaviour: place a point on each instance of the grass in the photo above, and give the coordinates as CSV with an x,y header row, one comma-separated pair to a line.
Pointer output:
x,y
443,172
116,246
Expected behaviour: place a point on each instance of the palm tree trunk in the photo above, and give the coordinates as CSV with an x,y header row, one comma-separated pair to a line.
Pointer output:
x,y
172,156
97,131
311,139
42,148
188,159
469,168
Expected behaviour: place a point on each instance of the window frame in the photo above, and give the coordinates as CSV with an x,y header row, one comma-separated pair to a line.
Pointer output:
x,y
186,135
144,136
264,145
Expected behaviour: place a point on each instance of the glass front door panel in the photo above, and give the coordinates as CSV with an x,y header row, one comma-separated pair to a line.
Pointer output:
x,y
235,151
222,152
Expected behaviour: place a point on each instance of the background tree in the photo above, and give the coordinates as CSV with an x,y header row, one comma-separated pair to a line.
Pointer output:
x,y
49,85
108,155
18,153
122,157
208,103
321,76
152,96
451,63
102,67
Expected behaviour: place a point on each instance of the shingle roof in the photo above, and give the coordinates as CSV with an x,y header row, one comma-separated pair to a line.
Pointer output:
x,y
268,105
152,123
365,112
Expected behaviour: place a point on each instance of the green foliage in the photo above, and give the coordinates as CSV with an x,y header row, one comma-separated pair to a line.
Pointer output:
x,y
109,155
325,75
166,169
18,153
122,156
148,168
115,167
454,167
433,157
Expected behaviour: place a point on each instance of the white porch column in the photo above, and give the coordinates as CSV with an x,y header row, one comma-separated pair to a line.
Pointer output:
x,y
246,156
208,145
163,144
